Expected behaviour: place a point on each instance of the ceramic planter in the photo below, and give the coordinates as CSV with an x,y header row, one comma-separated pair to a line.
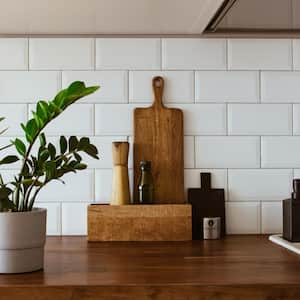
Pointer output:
x,y
22,240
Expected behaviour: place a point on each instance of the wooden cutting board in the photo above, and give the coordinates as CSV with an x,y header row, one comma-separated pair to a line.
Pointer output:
x,y
158,137
206,202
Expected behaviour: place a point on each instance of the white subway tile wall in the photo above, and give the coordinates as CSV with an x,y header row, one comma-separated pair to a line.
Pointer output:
x,y
241,103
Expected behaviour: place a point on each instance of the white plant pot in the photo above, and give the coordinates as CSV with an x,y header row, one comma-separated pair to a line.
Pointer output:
x,y
22,240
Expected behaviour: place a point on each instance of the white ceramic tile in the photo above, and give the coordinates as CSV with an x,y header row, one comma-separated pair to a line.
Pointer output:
x,y
61,53
178,88
296,173
259,54
74,218
53,217
260,184
194,54
227,86
271,217
113,85
203,119
24,86
77,187
296,119
104,146
103,185
5,141
8,175
114,119
78,119
218,178
227,152
14,114
280,87
280,152
260,119
13,53
296,52
128,53
189,152
242,218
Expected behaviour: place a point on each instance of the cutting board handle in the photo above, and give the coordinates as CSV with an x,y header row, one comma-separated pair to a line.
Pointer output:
x,y
158,88
205,179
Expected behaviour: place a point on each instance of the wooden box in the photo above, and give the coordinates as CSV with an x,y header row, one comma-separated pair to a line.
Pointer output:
x,y
167,222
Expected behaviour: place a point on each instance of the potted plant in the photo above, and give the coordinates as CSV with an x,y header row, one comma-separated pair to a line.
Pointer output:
x,y
22,226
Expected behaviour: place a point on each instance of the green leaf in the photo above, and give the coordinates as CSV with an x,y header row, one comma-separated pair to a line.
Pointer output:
x,y
53,108
50,170
84,142
73,142
42,110
60,98
10,159
6,205
92,151
5,192
63,144
42,138
44,155
31,130
20,146
3,130
77,157
52,150
80,166
39,121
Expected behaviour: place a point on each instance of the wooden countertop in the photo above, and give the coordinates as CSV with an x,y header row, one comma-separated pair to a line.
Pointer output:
x,y
237,267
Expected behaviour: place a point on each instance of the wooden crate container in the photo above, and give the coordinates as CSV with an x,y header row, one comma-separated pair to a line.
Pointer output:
x,y
167,222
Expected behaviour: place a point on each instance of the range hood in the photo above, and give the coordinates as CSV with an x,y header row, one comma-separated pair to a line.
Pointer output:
x,y
106,17
256,17
150,17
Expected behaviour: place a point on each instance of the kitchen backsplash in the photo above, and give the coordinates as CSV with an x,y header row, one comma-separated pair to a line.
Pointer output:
x,y
241,103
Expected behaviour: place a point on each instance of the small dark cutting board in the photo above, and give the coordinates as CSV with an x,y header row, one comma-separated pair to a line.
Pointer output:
x,y
206,202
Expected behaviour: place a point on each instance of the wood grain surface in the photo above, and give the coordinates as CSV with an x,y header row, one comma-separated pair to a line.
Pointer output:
x,y
158,137
168,222
237,267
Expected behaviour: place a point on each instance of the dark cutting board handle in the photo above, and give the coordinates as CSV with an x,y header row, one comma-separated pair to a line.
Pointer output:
x,y
205,179
158,89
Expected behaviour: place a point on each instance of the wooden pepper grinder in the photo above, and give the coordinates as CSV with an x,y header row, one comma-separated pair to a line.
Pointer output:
x,y
120,184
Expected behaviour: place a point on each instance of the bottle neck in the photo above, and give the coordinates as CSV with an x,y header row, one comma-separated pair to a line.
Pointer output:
x,y
146,176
